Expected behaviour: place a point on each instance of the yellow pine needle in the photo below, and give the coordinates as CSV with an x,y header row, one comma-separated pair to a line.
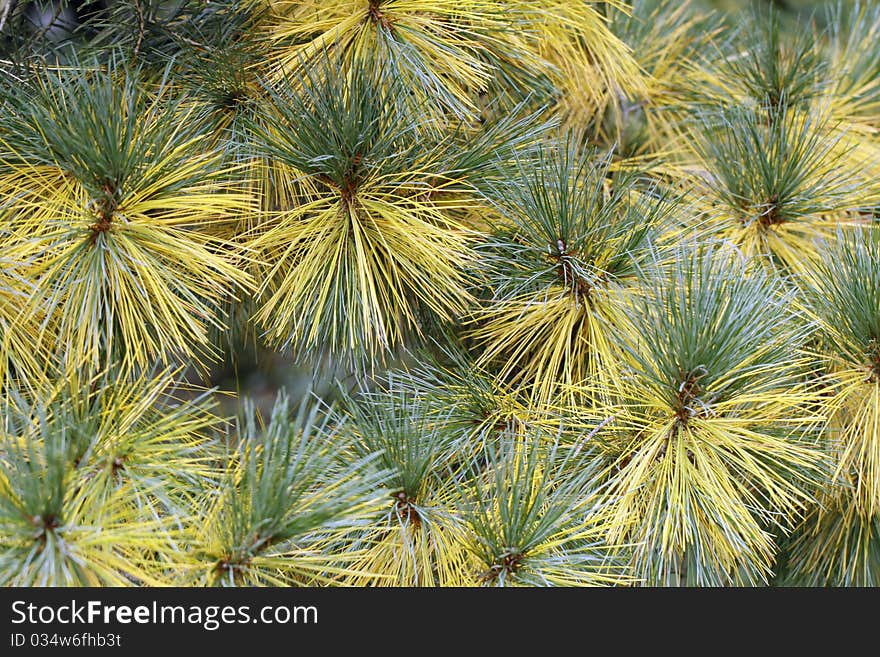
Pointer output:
x,y
757,218
592,63
854,431
150,280
553,342
354,269
401,552
442,47
835,545
436,33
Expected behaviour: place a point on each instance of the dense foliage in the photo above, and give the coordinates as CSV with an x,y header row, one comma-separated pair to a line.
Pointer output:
x,y
439,293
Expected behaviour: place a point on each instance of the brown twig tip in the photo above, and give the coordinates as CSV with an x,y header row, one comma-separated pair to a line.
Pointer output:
x,y
405,507
509,564
378,17
772,215
565,269
873,361
689,391
44,525
104,209
102,225
231,563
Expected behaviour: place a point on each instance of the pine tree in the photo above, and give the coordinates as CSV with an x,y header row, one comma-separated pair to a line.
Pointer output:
x,y
439,293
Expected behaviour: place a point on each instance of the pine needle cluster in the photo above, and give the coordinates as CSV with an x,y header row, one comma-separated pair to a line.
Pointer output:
x,y
583,293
